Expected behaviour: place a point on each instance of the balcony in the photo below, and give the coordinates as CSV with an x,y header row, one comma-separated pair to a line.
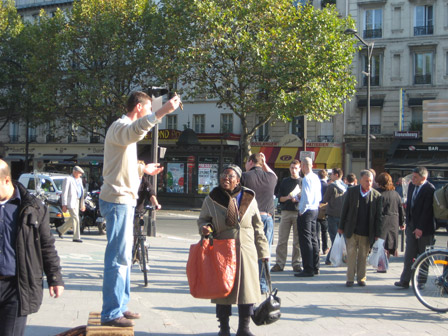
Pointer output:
x,y
374,81
261,138
50,138
373,33
325,138
374,129
423,30
14,138
32,138
422,79
95,139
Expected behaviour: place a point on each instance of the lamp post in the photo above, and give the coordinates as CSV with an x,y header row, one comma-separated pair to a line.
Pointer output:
x,y
368,74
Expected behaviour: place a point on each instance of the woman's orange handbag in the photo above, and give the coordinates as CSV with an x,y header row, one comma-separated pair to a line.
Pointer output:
x,y
211,268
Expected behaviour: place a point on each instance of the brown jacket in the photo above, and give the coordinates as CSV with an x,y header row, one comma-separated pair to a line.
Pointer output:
x,y
251,244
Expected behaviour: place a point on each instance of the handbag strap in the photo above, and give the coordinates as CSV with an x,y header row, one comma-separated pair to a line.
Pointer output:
x,y
265,269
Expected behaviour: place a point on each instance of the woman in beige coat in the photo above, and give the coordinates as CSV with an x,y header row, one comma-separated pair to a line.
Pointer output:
x,y
231,211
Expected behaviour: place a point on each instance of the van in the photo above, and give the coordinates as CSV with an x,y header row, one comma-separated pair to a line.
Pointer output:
x,y
49,184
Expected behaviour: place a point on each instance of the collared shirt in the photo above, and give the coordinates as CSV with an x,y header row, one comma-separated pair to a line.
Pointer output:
x,y
78,187
9,213
311,193
364,194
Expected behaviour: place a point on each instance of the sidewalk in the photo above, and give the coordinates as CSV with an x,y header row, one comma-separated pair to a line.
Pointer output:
x,y
313,306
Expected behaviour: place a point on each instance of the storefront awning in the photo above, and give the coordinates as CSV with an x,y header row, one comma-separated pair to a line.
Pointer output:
x,y
91,159
285,156
18,157
328,157
269,152
56,157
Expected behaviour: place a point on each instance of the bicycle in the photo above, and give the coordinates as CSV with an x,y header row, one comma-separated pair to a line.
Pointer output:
x,y
141,246
430,279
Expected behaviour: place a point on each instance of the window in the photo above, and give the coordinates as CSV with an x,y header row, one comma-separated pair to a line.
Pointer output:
x,y
199,123
32,134
171,121
263,131
373,23
396,23
423,21
423,68
297,126
375,120
326,131
226,123
374,70
14,132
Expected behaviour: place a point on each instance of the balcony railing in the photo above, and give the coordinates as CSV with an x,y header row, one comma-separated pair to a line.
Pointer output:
x,y
325,138
374,81
32,138
374,129
373,33
422,79
261,138
50,138
95,139
14,138
423,30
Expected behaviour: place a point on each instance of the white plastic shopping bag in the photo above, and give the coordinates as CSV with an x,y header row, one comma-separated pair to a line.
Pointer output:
x,y
375,253
338,254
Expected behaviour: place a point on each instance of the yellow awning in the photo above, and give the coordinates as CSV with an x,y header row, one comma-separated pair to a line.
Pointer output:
x,y
285,156
329,157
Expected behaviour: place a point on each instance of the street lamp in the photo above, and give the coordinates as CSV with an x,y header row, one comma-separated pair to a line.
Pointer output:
x,y
368,74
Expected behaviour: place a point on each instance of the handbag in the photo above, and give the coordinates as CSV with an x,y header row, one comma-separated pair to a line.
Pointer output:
x,y
211,268
269,310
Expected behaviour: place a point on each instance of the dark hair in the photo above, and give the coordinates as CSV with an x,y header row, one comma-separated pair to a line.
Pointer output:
x,y
338,171
422,171
385,182
322,174
294,162
256,159
136,97
351,178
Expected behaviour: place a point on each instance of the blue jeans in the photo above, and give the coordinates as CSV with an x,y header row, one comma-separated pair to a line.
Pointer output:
x,y
117,258
269,233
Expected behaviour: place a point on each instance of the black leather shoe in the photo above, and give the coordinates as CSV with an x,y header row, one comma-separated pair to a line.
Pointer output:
x,y
402,284
77,240
316,272
349,284
362,283
59,233
121,322
304,274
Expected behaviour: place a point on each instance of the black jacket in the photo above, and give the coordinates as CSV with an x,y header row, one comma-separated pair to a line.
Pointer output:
x,y
35,252
421,216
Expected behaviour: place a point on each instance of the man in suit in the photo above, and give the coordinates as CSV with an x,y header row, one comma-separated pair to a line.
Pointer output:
x,y
420,224
72,200
361,223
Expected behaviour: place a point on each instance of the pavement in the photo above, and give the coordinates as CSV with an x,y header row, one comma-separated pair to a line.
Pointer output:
x,y
310,306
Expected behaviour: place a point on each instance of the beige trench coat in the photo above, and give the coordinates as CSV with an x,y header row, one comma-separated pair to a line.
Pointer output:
x,y
251,245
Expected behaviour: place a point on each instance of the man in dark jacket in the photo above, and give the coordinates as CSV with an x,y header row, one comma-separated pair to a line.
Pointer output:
x,y
420,224
361,223
27,252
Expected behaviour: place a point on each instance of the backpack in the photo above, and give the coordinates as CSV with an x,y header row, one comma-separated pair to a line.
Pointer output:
x,y
440,203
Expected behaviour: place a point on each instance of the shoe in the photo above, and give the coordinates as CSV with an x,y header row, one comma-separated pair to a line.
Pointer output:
x,y
297,268
401,284
381,271
131,316
349,284
276,268
362,283
328,263
121,322
316,272
77,240
304,274
59,233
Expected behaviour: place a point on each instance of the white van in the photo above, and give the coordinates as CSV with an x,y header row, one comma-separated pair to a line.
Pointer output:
x,y
48,183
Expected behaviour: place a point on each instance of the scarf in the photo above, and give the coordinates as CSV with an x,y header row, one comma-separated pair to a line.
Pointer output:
x,y
228,200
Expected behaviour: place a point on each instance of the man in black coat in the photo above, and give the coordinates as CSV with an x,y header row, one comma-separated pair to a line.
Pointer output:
x,y
420,224
28,251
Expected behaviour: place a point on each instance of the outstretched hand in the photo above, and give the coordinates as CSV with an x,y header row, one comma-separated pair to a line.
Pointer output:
x,y
153,169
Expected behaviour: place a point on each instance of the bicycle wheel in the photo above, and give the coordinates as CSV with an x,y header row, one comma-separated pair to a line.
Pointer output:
x,y
143,260
430,280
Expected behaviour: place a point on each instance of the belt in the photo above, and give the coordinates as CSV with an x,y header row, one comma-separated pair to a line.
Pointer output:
x,y
265,214
6,277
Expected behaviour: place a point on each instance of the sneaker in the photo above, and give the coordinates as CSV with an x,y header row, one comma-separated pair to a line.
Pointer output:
x,y
121,322
131,316
401,284
276,268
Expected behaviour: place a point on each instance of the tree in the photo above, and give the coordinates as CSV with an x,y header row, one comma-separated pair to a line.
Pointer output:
x,y
265,58
110,48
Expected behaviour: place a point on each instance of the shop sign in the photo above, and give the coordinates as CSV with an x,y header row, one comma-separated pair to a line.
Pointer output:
x,y
304,154
406,134
165,134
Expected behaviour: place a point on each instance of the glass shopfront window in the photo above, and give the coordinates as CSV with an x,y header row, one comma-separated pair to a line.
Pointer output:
x,y
207,176
175,177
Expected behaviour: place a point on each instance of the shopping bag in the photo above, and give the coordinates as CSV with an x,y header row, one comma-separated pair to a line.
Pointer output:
x,y
375,252
269,310
383,262
211,268
338,255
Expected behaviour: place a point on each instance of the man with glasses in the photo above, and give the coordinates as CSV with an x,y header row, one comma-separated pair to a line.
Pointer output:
x,y
261,178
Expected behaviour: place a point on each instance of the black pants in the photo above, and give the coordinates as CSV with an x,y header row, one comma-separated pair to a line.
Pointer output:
x,y
414,247
244,310
309,245
12,324
322,230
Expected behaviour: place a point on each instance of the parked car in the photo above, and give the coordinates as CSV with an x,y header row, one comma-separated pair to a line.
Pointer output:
x,y
49,189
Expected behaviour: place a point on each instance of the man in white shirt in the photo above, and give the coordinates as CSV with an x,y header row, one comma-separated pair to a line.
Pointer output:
x,y
307,220
72,198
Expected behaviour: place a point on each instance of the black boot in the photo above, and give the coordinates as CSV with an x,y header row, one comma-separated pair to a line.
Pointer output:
x,y
224,329
243,326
